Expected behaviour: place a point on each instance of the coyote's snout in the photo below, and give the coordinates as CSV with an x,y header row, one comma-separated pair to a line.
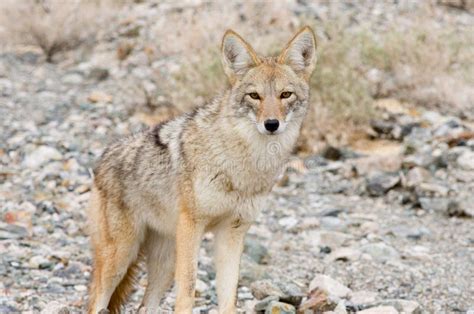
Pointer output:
x,y
155,194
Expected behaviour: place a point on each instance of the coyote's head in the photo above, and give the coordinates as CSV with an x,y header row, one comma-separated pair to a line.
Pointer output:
x,y
270,91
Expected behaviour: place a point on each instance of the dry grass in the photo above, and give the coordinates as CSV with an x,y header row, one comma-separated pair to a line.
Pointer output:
x,y
52,25
417,62
196,42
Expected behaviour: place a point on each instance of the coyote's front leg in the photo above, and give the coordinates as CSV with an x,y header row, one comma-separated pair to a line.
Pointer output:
x,y
228,250
188,238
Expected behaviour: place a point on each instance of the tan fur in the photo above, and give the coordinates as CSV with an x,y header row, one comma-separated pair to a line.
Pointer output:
x,y
155,194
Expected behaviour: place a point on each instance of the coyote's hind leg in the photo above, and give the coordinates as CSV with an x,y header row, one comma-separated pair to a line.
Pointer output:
x,y
116,243
160,255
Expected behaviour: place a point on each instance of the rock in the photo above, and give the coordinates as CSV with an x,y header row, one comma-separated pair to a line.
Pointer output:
x,y
263,304
371,164
432,117
450,129
98,96
438,204
41,156
343,254
332,223
255,249
333,239
99,73
410,233
340,308
463,207
378,185
73,78
288,222
292,297
333,212
80,288
12,231
423,160
39,261
380,252
330,286
55,307
368,227
201,287
308,223
318,301
265,288
400,131
280,308
466,160
379,310
416,176
382,127
314,162
436,188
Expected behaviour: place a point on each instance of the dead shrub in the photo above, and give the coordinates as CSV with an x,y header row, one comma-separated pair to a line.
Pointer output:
x,y
52,25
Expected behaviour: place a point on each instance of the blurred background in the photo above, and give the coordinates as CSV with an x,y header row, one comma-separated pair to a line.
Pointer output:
x,y
379,195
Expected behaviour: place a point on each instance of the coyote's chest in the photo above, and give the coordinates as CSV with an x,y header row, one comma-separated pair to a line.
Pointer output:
x,y
238,187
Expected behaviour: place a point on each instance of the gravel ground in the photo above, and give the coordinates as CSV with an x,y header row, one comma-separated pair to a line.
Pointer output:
x,y
390,222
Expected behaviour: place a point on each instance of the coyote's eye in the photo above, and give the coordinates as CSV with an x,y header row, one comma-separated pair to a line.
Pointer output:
x,y
285,95
254,95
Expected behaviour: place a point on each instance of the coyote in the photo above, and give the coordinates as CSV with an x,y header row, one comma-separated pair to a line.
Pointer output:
x,y
155,194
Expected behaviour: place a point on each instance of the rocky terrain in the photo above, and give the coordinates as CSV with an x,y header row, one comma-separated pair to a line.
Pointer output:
x,y
381,225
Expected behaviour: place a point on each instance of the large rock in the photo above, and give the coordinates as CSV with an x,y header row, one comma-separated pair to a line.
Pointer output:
x,y
381,183
319,301
370,164
329,285
265,288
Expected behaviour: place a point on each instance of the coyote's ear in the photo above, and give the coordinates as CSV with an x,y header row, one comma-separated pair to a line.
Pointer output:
x,y
237,56
300,52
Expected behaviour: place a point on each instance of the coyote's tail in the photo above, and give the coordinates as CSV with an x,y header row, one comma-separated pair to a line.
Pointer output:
x,y
125,287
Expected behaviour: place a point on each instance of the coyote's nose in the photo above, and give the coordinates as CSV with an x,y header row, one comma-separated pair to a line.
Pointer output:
x,y
271,125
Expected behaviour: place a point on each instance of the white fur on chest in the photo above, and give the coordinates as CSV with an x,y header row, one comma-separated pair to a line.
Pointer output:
x,y
240,182
214,200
